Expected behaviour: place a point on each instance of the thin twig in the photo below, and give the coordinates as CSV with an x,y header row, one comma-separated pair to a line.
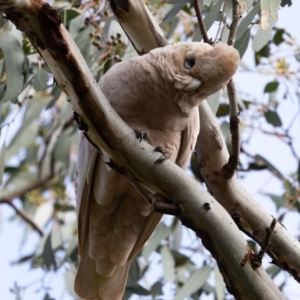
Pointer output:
x,y
34,185
229,169
256,260
17,194
201,23
236,15
24,216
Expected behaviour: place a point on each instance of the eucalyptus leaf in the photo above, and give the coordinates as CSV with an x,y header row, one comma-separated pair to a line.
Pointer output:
x,y
273,118
242,43
262,37
40,81
209,19
48,254
160,233
168,263
2,161
194,283
220,285
172,13
271,87
14,59
244,24
214,101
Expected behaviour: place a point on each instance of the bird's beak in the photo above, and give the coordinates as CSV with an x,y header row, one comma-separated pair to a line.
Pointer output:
x,y
193,85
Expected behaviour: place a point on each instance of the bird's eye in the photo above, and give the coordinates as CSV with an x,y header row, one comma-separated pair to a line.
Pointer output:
x,y
189,63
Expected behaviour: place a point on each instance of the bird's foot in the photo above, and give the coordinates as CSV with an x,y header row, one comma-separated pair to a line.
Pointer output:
x,y
141,135
165,154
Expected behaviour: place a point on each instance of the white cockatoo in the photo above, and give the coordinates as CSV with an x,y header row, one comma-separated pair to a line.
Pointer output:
x,y
159,94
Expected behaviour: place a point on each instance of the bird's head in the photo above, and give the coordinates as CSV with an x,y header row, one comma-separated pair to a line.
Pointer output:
x,y
196,70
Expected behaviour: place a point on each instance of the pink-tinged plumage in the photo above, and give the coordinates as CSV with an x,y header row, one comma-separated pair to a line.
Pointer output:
x,y
157,93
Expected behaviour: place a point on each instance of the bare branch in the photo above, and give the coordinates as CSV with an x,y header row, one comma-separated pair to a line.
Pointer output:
x,y
24,216
230,167
201,23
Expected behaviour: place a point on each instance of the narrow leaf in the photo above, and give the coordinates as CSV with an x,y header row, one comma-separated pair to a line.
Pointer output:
x,y
214,101
270,166
242,43
168,263
194,283
2,162
220,285
247,21
262,37
161,232
172,13
48,254
14,61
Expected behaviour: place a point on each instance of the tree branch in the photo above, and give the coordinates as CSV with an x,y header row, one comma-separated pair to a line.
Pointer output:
x,y
231,166
201,23
24,216
106,130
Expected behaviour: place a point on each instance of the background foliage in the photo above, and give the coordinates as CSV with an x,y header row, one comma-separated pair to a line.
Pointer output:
x,y
39,137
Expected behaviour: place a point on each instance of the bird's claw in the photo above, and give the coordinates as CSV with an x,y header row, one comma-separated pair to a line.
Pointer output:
x,y
165,154
141,135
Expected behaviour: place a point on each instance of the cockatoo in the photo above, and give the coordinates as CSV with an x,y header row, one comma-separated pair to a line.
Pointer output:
x,y
159,94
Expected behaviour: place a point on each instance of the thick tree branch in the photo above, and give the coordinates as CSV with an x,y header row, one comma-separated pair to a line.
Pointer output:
x,y
106,130
245,211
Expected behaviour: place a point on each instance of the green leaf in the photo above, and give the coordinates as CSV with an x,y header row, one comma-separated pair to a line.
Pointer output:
x,y
40,81
2,162
29,129
172,13
286,2
48,255
242,43
210,18
160,233
214,101
273,118
156,289
180,259
262,37
279,201
14,61
223,110
271,87
194,283
242,28
68,14
220,285
168,263
270,166
278,37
